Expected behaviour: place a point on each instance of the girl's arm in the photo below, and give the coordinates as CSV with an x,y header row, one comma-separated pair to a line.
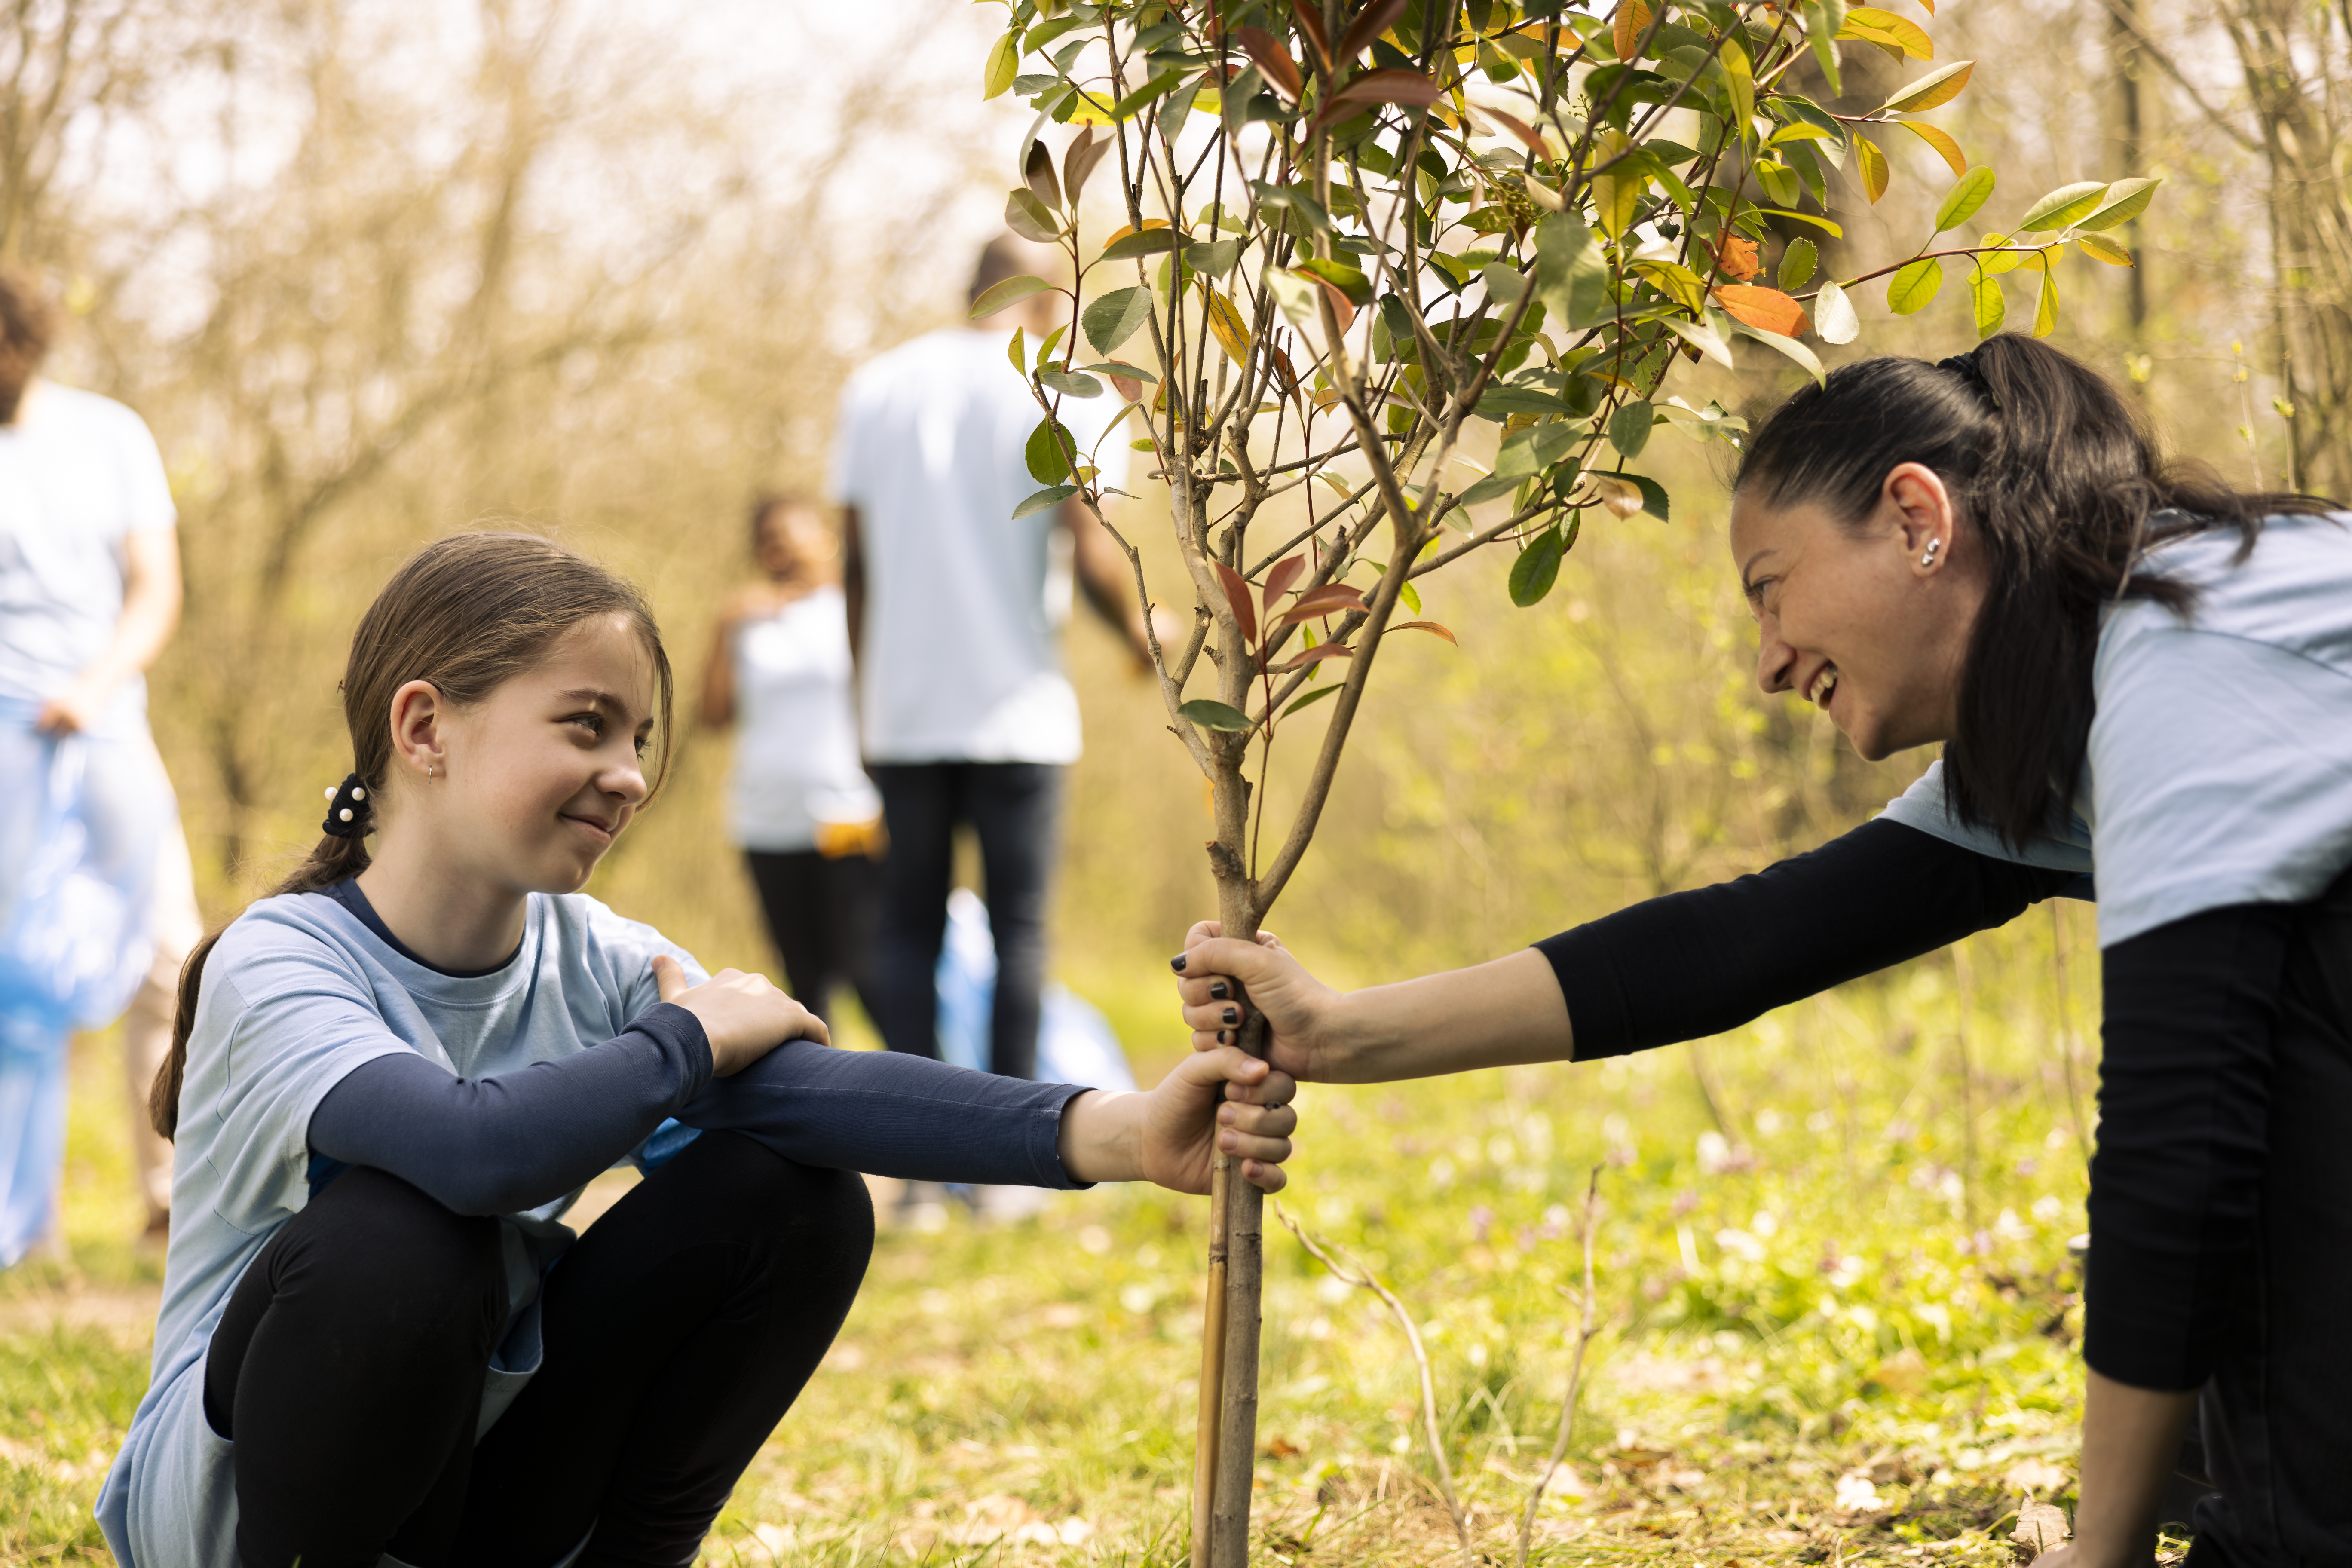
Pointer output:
x,y
1674,968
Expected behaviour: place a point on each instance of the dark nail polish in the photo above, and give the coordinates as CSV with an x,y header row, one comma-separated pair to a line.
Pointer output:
x,y
1224,1037
1233,1015
1177,964
1220,990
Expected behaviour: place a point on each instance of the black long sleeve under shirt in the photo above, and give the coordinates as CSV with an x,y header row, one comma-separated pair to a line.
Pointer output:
x,y
2184,1080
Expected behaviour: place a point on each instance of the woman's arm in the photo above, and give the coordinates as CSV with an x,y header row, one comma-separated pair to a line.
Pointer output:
x,y
1675,968
718,708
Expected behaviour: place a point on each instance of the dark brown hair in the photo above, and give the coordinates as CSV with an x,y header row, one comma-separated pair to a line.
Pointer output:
x,y
28,324
2066,489
466,614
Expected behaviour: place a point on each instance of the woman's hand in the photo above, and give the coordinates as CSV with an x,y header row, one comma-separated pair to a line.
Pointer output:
x,y
1298,1009
744,1016
1224,1099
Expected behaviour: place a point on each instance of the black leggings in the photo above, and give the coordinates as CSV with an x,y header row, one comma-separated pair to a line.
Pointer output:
x,y
349,1367
820,910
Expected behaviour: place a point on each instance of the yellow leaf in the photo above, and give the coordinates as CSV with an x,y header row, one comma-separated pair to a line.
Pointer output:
x,y
1225,324
1873,168
1871,24
2045,313
2099,247
1942,144
1632,21
1616,197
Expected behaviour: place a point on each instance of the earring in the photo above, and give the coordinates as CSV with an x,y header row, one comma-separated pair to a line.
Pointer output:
x,y
1928,559
429,770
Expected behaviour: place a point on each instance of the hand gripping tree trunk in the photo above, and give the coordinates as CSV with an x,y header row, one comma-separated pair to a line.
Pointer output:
x,y
1346,232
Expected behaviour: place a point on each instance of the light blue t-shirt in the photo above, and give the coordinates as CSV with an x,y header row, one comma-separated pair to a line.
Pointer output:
x,y
297,994
2220,768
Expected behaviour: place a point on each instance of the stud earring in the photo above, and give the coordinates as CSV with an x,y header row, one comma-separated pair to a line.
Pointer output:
x,y
1928,559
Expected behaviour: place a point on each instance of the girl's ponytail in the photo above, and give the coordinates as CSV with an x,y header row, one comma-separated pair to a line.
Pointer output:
x,y
466,614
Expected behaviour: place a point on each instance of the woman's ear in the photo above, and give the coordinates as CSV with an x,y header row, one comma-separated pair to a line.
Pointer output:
x,y
1925,518
417,717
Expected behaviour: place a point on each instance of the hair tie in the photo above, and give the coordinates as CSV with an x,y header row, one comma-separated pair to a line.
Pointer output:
x,y
1966,367
347,809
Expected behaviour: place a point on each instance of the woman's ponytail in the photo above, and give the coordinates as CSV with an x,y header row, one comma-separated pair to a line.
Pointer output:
x,y
466,614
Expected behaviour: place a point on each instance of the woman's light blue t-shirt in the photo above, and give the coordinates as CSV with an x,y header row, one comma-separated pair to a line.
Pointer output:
x,y
2220,768
298,993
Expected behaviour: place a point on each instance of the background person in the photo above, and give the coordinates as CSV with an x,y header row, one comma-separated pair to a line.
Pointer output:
x,y
89,594
2130,666
807,817
954,611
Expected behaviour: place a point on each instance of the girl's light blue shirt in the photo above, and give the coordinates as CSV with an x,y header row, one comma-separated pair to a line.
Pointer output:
x,y
2220,768
298,993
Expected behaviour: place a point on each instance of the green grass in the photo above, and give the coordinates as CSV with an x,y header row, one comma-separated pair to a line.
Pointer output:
x,y
1868,1286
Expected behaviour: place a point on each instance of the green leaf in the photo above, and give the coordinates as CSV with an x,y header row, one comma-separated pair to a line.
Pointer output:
x,y
1309,700
1487,488
2046,309
1030,218
1823,18
1791,347
2124,201
1704,339
1739,77
1985,303
1142,242
1212,715
1967,195
1003,63
1005,293
1070,382
1834,320
1115,318
1214,259
1933,91
1571,275
1914,287
2063,205
1159,86
1348,280
1503,402
1054,495
1534,449
1537,569
1120,367
1653,494
1824,224
1798,259
1047,453
1629,428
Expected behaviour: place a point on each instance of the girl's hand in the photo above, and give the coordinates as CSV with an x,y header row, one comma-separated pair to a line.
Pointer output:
x,y
745,1016
1299,1009
1222,1099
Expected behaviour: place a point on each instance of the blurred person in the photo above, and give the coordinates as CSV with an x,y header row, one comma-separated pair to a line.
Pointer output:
x,y
801,809
2133,669
955,607
390,1078
95,886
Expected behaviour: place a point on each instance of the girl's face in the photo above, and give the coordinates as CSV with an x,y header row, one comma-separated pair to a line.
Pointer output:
x,y
1870,624
537,782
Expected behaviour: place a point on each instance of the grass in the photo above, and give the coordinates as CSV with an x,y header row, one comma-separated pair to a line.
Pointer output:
x,y
1846,1331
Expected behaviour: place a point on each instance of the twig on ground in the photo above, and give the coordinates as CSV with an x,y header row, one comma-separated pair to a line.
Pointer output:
x,y
1363,1279
1587,1326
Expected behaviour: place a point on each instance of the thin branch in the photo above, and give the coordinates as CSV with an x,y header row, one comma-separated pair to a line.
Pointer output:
x,y
2156,52
1586,1328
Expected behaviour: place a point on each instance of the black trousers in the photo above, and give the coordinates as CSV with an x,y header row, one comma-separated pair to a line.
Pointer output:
x,y
348,1368
821,912
2276,1419
1011,806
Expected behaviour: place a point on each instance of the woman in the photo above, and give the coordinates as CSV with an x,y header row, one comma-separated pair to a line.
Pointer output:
x,y
2129,664
809,822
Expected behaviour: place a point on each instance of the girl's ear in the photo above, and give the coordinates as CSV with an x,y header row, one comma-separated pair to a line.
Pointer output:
x,y
416,730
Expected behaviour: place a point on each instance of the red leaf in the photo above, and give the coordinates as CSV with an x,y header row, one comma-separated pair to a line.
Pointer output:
x,y
1518,127
1272,59
1391,86
1766,309
1331,599
1278,581
1425,627
1129,388
1237,595
1079,162
1343,310
1310,23
1378,17
1314,656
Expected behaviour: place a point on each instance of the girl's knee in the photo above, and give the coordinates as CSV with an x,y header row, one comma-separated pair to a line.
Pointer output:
x,y
395,1250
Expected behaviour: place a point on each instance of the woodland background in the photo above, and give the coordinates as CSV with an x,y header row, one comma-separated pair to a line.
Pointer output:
x,y
374,272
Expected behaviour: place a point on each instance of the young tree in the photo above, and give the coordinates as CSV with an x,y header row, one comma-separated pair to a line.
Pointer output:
x,y
1351,228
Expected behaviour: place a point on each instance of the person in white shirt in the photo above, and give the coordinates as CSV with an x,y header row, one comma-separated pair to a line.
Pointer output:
x,y
95,887
804,811
955,607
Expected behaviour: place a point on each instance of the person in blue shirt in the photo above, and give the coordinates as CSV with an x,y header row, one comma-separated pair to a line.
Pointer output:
x,y
2142,680
390,1078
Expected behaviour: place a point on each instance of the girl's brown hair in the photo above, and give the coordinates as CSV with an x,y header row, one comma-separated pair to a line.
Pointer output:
x,y
466,614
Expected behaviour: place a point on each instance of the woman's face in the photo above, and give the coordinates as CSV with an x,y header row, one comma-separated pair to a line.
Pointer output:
x,y
1869,623
792,542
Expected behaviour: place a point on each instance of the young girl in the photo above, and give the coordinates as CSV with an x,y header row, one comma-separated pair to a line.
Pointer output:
x,y
391,1078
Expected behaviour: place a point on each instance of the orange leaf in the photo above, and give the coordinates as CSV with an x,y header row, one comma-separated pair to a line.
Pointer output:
x,y
1516,127
1237,595
1281,70
1632,21
1315,655
1425,627
1735,257
1130,229
1390,86
1766,309
1278,581
1941,142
